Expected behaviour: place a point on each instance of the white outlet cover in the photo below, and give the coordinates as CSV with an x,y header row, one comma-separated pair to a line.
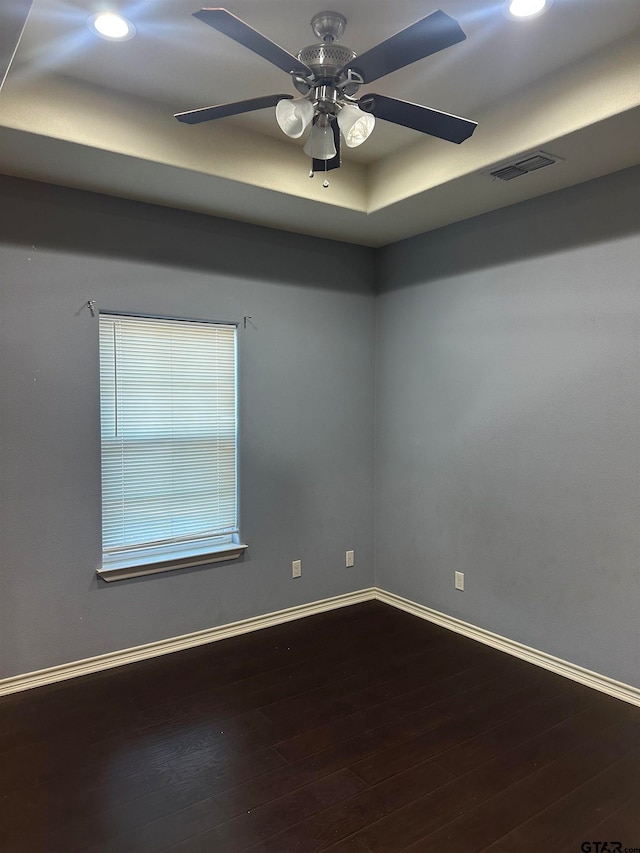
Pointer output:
x,y
296,568
459,580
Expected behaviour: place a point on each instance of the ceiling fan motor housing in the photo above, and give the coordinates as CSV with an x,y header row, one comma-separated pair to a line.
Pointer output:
x,y
326,58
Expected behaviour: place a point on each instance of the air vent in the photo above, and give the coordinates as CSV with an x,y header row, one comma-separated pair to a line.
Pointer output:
x,y
523,166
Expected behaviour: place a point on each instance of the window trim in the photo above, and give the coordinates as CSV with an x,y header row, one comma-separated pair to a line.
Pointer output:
x,y
154,560
210,554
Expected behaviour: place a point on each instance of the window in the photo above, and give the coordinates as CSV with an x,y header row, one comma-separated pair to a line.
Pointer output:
x,y
168,410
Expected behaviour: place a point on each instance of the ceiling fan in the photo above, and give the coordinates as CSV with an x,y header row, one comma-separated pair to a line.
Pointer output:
x,y
327,75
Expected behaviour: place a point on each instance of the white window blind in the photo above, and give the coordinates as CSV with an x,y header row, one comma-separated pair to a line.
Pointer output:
x,y
169,425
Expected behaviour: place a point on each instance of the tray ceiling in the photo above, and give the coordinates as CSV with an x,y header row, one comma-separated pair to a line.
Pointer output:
x,y
87,113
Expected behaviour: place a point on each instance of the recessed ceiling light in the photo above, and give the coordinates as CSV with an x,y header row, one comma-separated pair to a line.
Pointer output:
x,y
519,9
112,27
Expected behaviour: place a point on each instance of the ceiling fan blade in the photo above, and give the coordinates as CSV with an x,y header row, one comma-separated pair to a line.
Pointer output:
x,y
229,25
224,110
435,123
427,36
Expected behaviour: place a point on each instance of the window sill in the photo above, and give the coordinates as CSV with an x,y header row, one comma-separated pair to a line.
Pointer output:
x,y
124,569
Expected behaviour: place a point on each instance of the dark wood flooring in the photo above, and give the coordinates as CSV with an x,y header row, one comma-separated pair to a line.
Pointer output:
x,y
362,730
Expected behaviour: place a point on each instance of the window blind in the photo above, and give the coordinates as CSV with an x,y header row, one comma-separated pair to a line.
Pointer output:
x,y
168,406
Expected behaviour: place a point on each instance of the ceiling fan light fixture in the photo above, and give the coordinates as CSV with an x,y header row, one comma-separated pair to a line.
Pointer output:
x,y
356,125
328,75
294,116
520,9
320,145
111,27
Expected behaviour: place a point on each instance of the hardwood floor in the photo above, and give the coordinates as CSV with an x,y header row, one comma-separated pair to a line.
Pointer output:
x,y
361,730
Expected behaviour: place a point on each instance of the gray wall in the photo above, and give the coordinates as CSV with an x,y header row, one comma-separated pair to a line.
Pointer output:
x,y
506,426
306,402
507,441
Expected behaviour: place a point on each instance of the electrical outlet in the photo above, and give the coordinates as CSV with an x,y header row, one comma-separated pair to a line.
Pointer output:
x,y
296,568
349,559
459,580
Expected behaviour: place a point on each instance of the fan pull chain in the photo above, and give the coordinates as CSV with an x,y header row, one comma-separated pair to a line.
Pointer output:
x,y
325,183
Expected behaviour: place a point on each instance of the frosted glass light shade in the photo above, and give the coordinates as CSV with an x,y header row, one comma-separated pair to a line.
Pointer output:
x,y
320,145
355,124
294,116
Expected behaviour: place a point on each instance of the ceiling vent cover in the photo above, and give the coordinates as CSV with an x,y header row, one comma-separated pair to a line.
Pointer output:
x,y
524,165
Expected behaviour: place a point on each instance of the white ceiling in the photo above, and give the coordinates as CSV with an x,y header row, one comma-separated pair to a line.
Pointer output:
x,y
88,113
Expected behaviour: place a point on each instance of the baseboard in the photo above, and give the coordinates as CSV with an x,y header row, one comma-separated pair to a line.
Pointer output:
x,y
619,689
175,644
625,692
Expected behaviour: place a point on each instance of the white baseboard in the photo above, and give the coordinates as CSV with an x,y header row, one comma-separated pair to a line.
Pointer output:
x,y
626,692
175,644
619,689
